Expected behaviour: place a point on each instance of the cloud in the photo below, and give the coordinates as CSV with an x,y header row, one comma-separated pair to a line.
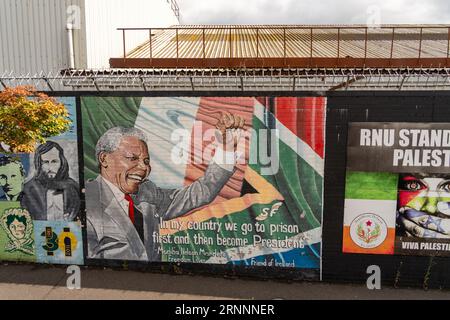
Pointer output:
x,y
313,12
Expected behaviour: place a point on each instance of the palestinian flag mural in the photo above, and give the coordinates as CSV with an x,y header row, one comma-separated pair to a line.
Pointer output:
x,y
397,196
268,211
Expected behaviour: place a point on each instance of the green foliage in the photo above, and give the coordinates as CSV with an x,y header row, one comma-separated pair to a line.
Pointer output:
x,y
28,117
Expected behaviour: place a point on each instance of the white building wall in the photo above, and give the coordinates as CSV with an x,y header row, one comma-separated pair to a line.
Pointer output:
x,y
103,17
33,33
33,36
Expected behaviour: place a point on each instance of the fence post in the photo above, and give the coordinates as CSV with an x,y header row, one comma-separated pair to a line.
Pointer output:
x,y
176,30
420,44
311,48
231,49
124,47
392,46
448,46
203,40
257,43
365,44
150,43
338,43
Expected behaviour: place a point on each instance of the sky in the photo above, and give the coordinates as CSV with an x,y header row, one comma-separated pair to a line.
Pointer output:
x,y
314,12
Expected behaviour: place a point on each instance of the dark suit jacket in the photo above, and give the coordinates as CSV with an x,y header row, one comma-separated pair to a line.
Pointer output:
x,y
110,233
34,199
4,198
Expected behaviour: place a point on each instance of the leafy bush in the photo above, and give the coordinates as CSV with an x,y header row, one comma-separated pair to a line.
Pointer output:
x,y
28,117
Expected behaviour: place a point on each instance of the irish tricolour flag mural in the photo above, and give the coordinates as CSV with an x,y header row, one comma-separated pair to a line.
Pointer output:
x,y
217,180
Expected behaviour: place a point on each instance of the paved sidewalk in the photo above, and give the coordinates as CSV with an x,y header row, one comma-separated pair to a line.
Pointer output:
x,y
49,282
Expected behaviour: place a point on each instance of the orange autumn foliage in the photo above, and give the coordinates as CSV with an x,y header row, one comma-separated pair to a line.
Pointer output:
x,y
28,117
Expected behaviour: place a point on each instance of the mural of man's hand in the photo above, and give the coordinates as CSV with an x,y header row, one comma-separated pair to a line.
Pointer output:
x,y
229,127
422,224
70,217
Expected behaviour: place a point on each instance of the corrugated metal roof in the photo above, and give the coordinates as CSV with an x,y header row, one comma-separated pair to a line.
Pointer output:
x,y
193,43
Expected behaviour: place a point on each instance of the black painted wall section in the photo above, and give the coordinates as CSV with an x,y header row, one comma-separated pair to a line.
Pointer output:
x,y
397,270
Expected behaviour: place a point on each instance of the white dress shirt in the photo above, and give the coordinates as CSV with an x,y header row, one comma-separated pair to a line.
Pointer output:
x,y
55,206
119,195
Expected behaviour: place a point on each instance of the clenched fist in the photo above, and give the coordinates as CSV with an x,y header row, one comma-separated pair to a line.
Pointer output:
x,y
229,128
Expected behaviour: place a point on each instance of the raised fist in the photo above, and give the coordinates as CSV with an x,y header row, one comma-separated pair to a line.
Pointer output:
x,y
229,127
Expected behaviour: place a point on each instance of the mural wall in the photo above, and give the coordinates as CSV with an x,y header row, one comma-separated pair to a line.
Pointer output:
x,y
238,181
40,201
210,180
204,180
397,173
398,189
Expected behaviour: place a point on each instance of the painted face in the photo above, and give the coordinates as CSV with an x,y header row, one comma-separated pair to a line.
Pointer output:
x,y
426,194
17,229
11,180
128,166
51,163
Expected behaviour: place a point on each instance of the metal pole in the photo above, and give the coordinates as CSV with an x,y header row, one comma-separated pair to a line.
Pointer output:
x,y
365,45
420,44
448,45
177,41
48,83
392,44
203,40
95,84
70,41
124,49
150,43
143,83
231,49
257,42
311,46
339,42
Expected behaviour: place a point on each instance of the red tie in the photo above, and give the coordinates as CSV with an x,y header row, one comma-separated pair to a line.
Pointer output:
x,y
130,207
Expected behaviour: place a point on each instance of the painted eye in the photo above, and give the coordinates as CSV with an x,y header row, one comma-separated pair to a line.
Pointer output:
x,y
445,186
413,185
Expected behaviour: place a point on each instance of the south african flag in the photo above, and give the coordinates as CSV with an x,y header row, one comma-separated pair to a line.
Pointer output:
x,y
270,211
